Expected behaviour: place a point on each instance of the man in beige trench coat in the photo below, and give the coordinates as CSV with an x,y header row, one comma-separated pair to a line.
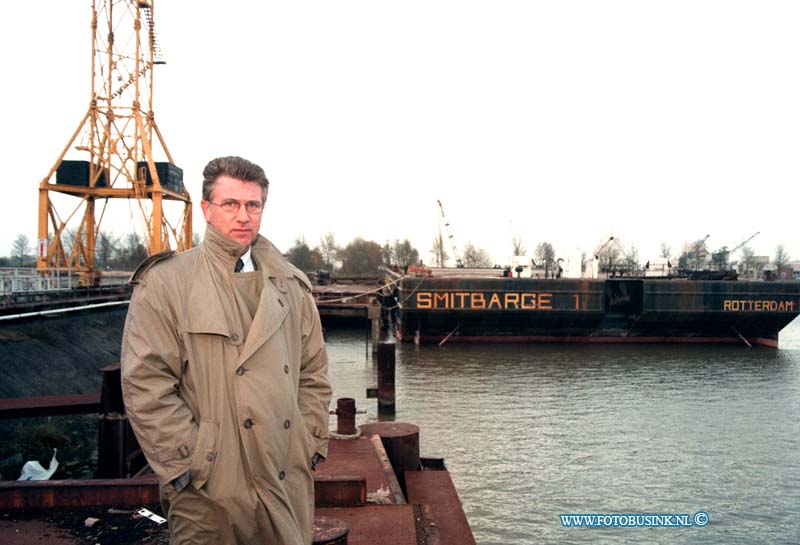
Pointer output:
x,y
224,375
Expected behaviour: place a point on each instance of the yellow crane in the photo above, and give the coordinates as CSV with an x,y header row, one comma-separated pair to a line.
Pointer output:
x,y
122,152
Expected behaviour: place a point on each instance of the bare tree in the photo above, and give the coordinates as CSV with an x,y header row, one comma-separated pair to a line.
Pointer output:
x,y
666,250
781,259
748,260
632,257
517,247
68,238
475,257
545,255
106,248
609,257
387,254
405,253
302,256
329,250
20,250
440,255
134,251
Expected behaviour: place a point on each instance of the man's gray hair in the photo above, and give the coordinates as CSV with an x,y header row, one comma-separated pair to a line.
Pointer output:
x,y
235,167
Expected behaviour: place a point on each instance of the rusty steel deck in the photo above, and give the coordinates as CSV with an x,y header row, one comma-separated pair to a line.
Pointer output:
x,y
356,484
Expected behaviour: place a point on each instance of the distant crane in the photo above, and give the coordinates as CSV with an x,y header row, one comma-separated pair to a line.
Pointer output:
x,y
720,257
603,247
600,256
738,246
459,264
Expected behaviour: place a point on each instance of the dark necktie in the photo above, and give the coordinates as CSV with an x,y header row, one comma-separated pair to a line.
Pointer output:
x,y
239,265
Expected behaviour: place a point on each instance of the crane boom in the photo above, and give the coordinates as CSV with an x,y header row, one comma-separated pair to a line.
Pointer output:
x,y
745,242
603,247
721,256
459,264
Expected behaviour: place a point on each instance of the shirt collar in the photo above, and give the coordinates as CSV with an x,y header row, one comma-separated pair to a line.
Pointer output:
x,y
247,259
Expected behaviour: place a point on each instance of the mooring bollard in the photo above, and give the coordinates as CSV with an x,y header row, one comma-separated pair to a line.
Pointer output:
x,y
330,531
346,416
386,361
401,442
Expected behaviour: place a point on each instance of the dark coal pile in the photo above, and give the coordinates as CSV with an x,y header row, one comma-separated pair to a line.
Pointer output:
x,y
59,354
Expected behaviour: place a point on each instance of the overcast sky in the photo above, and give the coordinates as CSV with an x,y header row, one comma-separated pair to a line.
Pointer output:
x,y
566,122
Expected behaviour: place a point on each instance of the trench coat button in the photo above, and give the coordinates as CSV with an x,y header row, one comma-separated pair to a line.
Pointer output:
x,y
248,423
234,337
280,302
287,424
210,456
240,371
286,369
282,475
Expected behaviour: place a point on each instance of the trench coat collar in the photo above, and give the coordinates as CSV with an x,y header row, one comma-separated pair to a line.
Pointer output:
x,y
212,307
222,249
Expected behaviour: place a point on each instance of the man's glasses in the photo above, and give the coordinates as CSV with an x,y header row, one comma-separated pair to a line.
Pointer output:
x,y
231,206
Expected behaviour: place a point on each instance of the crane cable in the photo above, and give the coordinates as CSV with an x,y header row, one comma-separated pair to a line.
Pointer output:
x,y
350,297
391,283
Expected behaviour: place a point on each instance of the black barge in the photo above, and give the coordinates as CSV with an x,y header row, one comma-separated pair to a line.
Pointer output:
x,y
613,310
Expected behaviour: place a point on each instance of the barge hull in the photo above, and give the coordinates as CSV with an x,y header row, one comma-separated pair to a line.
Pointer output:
x,y
606,311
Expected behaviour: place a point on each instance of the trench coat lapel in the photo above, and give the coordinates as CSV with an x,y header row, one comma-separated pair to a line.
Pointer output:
x,y
273,307
205,312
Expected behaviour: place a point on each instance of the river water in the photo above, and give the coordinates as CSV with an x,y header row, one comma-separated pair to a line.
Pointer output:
x,y
530,432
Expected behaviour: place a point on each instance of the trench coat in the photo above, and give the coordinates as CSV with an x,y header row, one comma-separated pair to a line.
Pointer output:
x,y
243,413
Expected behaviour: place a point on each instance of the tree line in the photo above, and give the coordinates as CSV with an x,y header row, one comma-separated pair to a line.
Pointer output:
x,y
359,256
362,256
123,252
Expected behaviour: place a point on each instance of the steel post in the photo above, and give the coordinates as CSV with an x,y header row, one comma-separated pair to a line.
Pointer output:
x,y
386,363
111,430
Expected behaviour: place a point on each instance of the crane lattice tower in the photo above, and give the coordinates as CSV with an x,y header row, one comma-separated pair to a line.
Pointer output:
x,y
117,133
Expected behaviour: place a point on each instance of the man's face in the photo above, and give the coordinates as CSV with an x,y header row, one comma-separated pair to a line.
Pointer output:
x,y
240,225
